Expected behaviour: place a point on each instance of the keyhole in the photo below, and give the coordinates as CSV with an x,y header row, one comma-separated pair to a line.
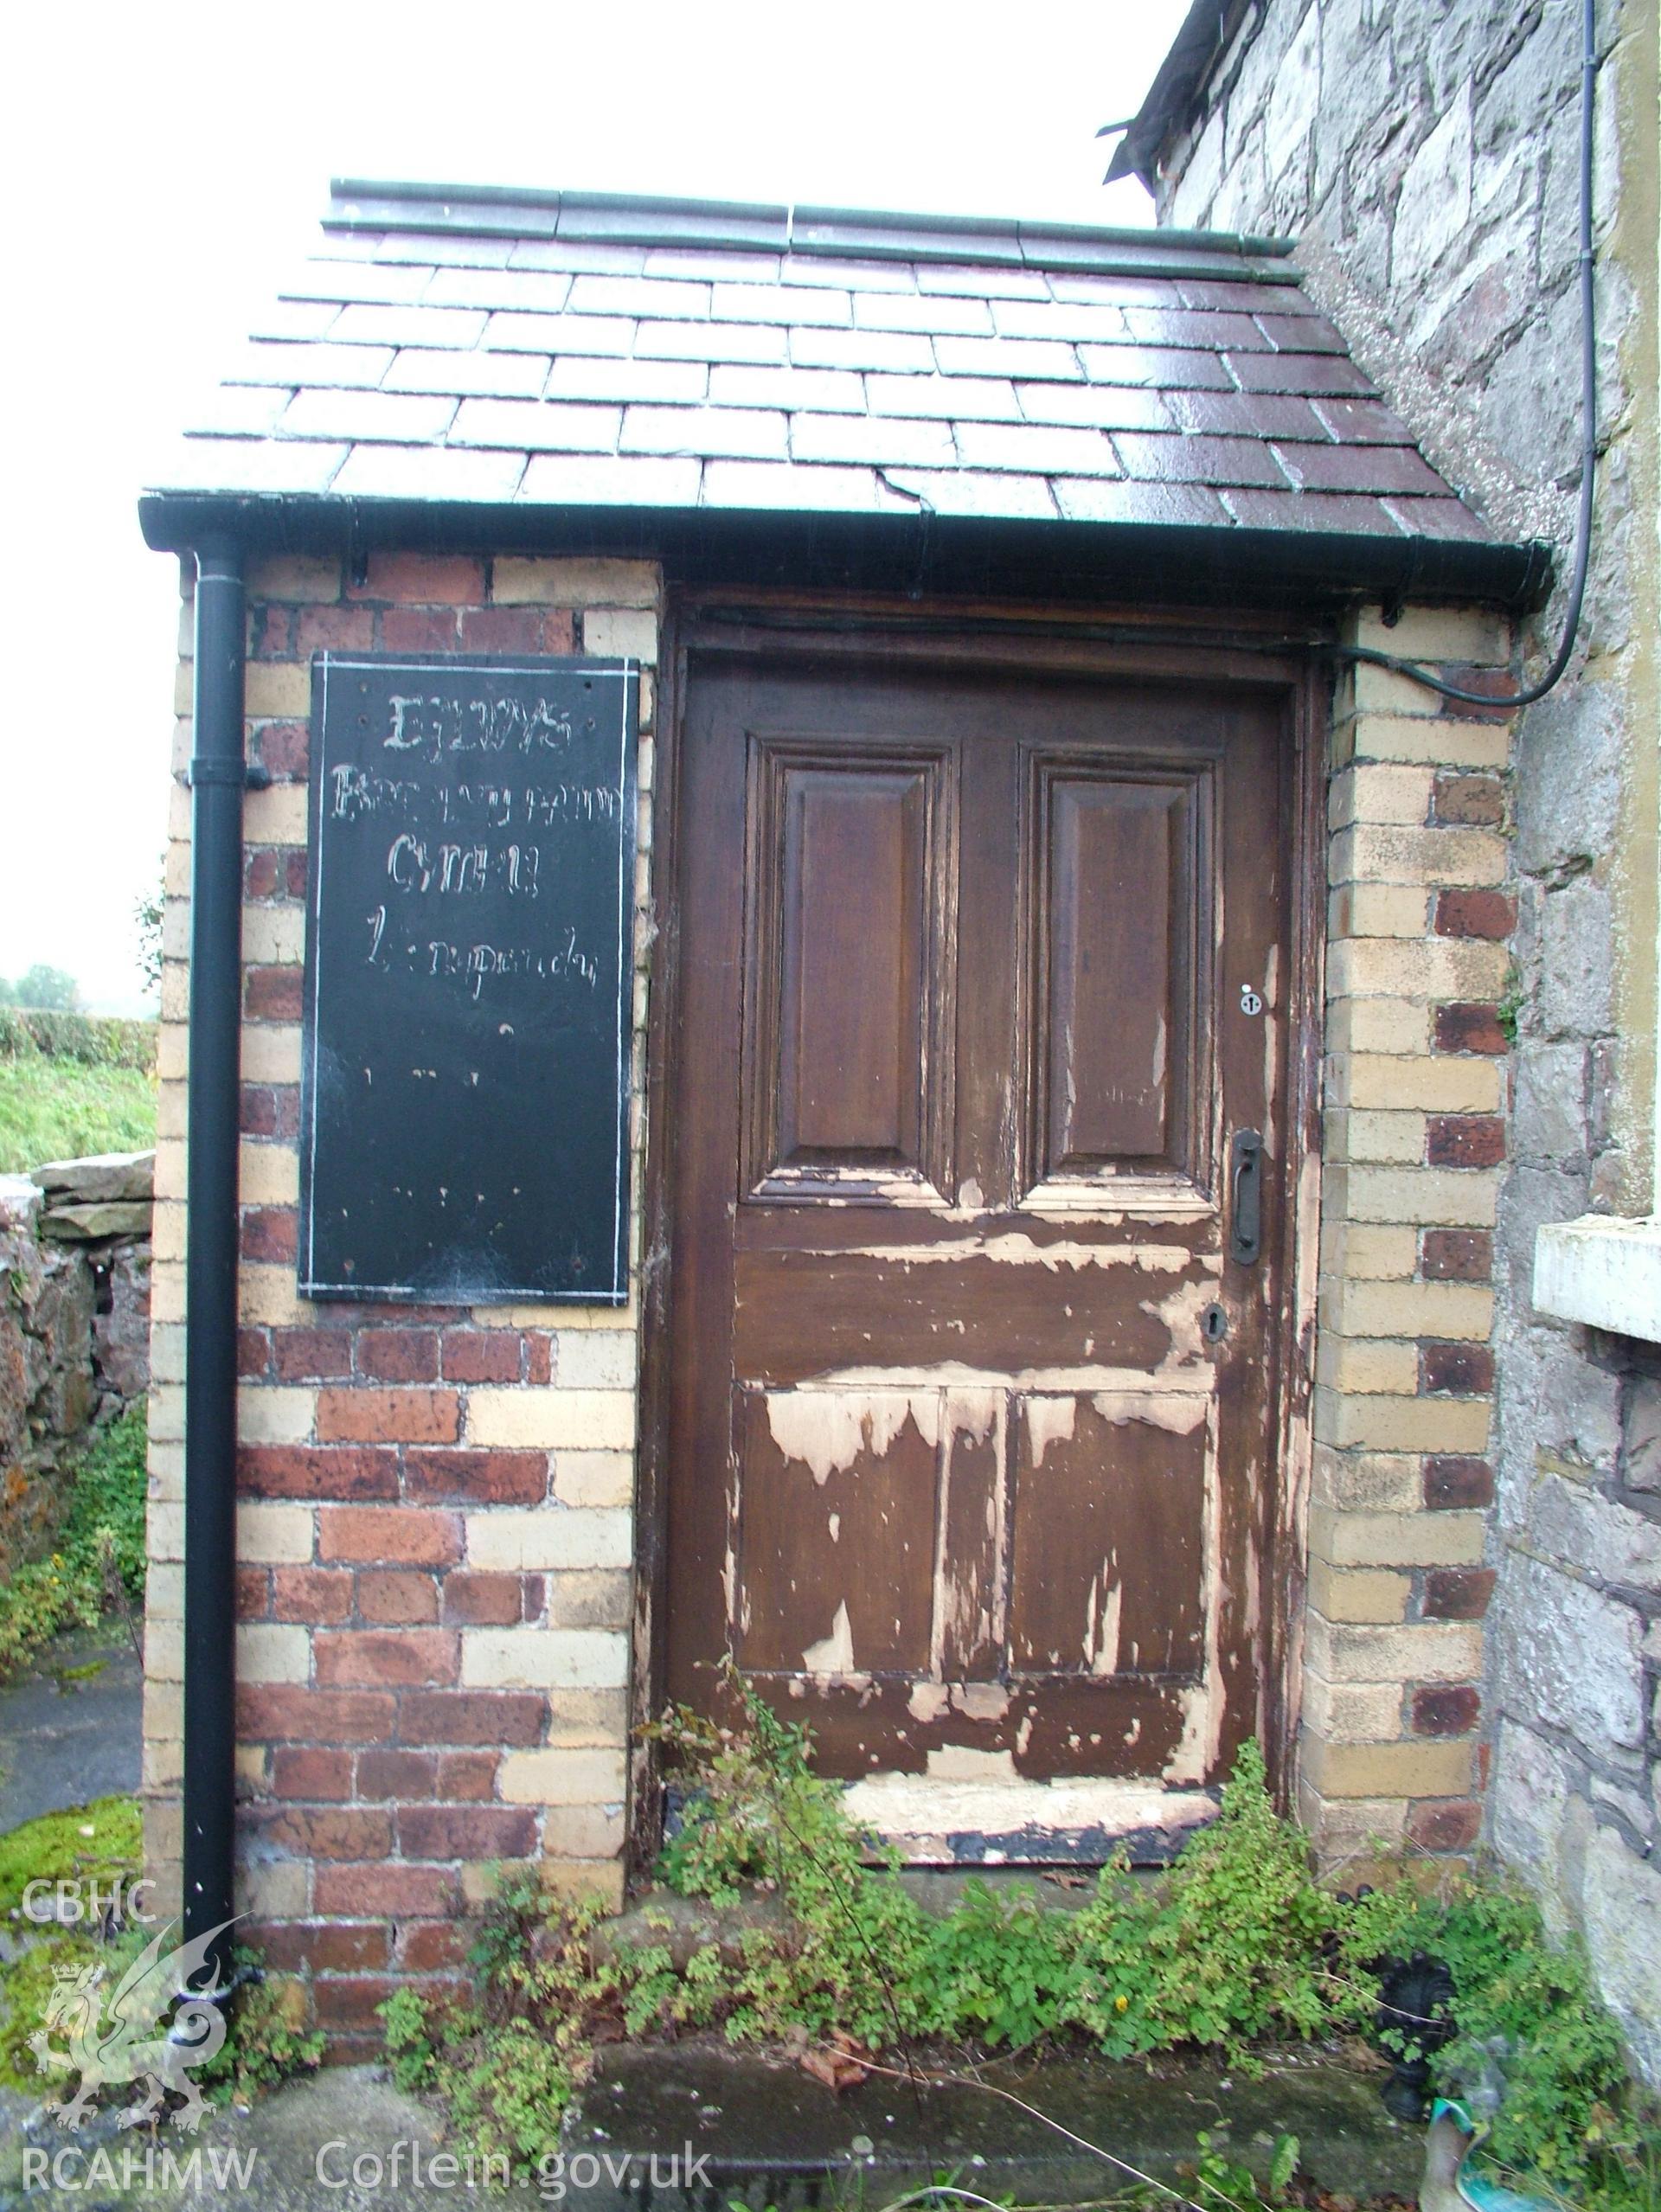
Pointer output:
x,y
1213,1325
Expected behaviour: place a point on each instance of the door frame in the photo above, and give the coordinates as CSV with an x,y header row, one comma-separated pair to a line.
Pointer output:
x,y
1271,652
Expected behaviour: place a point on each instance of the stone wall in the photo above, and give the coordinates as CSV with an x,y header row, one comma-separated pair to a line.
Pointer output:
x,y
74,1327
1428,156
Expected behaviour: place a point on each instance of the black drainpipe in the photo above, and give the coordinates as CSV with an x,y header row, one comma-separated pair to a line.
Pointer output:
x,y
218,777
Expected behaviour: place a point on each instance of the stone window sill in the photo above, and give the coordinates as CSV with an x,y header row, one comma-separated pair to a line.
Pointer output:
x,y
1601,1270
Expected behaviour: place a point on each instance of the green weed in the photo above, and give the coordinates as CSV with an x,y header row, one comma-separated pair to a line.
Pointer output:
x,y
97,1556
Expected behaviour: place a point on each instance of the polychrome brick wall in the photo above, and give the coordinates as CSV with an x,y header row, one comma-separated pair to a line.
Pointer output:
x,y
435,1522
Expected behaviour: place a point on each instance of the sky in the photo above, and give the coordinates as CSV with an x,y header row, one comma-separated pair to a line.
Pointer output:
x,y
164,164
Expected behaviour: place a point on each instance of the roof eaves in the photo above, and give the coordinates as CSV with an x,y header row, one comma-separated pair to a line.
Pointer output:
x,y
1206,29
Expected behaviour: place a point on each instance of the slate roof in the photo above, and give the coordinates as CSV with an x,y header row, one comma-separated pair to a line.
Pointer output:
x,y
563,351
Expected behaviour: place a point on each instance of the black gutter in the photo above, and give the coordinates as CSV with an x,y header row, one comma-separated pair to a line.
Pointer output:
x,y
217,778
947,555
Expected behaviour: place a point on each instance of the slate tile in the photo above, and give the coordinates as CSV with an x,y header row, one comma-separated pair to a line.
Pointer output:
x,y
356,366
753,433
1247,414
427,473
775,484
1044,358
1362,422
1311,374
1116,291
1129,499
610,480
383,284
1312,511
639,297
737,384
304,319
709,341
596,377
406,417
1448,518
792,302
482,376
1038,448
983,399
1237,296
240,411
1197,459
1359,468
980,284
1187,326
900,352
512,331
244,465
691,264
1104,407
977,491
543,291
848,276
1059,318
530,425
445,253
1191,370
578,256
408,326
879,439
936,312
1299,333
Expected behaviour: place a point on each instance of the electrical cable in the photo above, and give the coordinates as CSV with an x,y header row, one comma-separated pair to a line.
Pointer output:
x,y
1414,670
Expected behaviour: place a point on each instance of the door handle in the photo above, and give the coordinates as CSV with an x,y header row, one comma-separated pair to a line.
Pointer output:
x,y
1246,1197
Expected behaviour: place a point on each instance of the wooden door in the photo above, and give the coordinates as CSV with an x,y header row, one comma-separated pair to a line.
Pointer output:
x,y
970,1404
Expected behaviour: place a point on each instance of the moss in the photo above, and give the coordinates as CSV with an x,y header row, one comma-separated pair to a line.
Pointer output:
x,y
90,1843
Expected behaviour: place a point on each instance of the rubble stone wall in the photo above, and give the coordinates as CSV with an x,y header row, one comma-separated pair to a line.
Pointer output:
x,y
1427,158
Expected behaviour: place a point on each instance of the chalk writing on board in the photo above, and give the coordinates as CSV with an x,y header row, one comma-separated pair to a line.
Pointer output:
x,y
468,957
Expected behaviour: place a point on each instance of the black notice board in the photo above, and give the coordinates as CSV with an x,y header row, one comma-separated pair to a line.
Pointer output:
x,y
464,1100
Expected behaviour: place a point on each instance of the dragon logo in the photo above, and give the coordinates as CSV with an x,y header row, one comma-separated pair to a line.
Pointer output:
x,y
124,2046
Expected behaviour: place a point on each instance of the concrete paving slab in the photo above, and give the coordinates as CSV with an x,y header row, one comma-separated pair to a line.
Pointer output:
x,y
66,1741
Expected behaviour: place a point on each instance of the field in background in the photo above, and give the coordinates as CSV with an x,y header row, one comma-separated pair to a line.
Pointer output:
x,y
71,1084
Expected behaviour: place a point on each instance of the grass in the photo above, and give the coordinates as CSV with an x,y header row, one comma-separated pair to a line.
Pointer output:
x,y
52,1109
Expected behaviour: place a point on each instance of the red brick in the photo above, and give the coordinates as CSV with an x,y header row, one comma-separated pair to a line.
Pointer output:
x,y
388,1416
270,1233
1456,1255
1498,682
311,1355
350,2001
422,580
478,1478
271,632
285,751
1458,1485
399,1355
1471,1028
252,1592
253,1355
539,1356
378,1536
271,994
275,872
506,630
316,1472
1444,1824
473,1831
326,1832
1465,1140
1463,1370
424,1945
504,1717
385,1656
1445,1709
468,1776
397,1599
1458,1593
1469,913
481,1355
334,629
383,1775
325,1947
1471,799
483,1601
304,1773
352,1891
258,1114
418,630
316,1595
283,1713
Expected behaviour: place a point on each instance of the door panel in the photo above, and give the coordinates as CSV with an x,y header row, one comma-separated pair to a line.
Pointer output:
x,y
954,1469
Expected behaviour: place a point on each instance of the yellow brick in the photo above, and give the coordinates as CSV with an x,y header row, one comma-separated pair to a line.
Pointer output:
x,y
165,1651
1377,910
270,1052
276,816
1463,1311
278,690
273,936
176,883
172,1100
164,1590
265,1298
166,1290
166,1350
1456,1424
1473,634
276,1889
1397,1539
184,687
171,1169
1342,1827
1427,1650
179,809
1402,967
268,1175
271,1535
1425,1768
163,1709
543,1658
1445,744
1360,1363
596,1359
1352,1712
163,1829
1336,1593
308,578
584,1831
576,1880
582,1717
593,1477
521,1542
176,990
553,1420
610,632
1367,1481
1461,1198
1374,1134
268,1415
164,1465
592,1778
269,1650
1392,1025
574,583
591,1597
1368,854
167,1413
172,1050
1388,794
